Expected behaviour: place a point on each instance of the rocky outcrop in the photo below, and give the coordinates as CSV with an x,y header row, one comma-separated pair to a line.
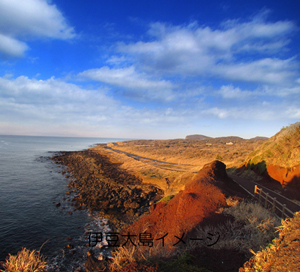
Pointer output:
x,y
287,176
215,173
186,210
92,264
101,185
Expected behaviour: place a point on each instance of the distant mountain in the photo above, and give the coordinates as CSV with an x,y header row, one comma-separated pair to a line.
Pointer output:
x,y
258,138
197,137
217,139
229,138
222,139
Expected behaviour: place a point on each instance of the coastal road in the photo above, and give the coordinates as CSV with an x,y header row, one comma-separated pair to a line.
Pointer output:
x,y
166,165
249,185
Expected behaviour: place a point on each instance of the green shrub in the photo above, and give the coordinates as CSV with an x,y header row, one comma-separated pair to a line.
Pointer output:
x,y
166,199
219,158
262,167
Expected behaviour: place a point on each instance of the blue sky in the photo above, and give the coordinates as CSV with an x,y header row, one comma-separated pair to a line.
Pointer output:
x,y
149,69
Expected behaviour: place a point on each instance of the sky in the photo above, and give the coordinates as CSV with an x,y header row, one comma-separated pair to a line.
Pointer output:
x,y
149,69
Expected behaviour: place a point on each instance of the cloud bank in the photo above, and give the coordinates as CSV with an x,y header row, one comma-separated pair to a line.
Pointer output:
x,y
173,78
30,19
239,51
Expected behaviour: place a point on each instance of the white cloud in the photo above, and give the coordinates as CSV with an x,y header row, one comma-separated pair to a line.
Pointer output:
x,y
12,47
215,111
115,60
293,112
289,93
51,99
244,112
229,91
202,51
33,106
20,20
140,85
258,27
268,70
125,77
178,64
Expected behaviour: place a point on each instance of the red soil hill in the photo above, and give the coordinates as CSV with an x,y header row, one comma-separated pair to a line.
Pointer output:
x,y
186,210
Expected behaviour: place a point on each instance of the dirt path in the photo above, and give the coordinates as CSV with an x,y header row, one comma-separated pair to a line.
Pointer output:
x,y
249,186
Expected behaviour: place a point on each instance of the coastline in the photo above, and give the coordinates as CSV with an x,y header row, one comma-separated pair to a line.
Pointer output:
x,y
114,198
96,181
30,185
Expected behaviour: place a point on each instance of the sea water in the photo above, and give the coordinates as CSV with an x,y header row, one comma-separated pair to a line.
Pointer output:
x,y
30,186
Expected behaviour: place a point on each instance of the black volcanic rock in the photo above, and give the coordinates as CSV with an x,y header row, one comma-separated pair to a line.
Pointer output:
x,y
101,185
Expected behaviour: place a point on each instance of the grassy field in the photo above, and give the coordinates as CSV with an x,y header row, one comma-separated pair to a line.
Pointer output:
x,y
169,164
193,152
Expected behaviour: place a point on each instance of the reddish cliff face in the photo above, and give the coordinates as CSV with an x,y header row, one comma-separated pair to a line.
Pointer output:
x,y
287,176
185,211
279,159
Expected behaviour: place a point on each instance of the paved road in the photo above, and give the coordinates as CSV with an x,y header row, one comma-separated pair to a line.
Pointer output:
x,y
155,162
137,157
249,186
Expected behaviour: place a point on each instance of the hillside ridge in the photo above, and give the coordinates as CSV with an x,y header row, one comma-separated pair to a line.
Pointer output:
x,y
277,160
282,149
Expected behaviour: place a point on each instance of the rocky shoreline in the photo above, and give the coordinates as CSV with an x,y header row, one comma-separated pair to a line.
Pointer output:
x,y
98,183
101,185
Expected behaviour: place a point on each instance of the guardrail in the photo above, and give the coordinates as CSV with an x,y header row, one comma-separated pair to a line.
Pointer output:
x,y
270,202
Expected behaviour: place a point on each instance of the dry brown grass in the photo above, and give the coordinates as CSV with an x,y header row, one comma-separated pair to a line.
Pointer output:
x,y
283,254
25,261
151,172
124,256
194,152
253,228
188,156
282,149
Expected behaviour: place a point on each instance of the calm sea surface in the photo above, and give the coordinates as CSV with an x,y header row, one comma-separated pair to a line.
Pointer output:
x,y
29,188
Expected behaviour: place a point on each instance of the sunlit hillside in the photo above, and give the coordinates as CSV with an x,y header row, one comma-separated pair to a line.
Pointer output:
x,y
283,149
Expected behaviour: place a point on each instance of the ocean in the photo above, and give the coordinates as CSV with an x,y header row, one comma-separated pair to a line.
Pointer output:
x,y
30,186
